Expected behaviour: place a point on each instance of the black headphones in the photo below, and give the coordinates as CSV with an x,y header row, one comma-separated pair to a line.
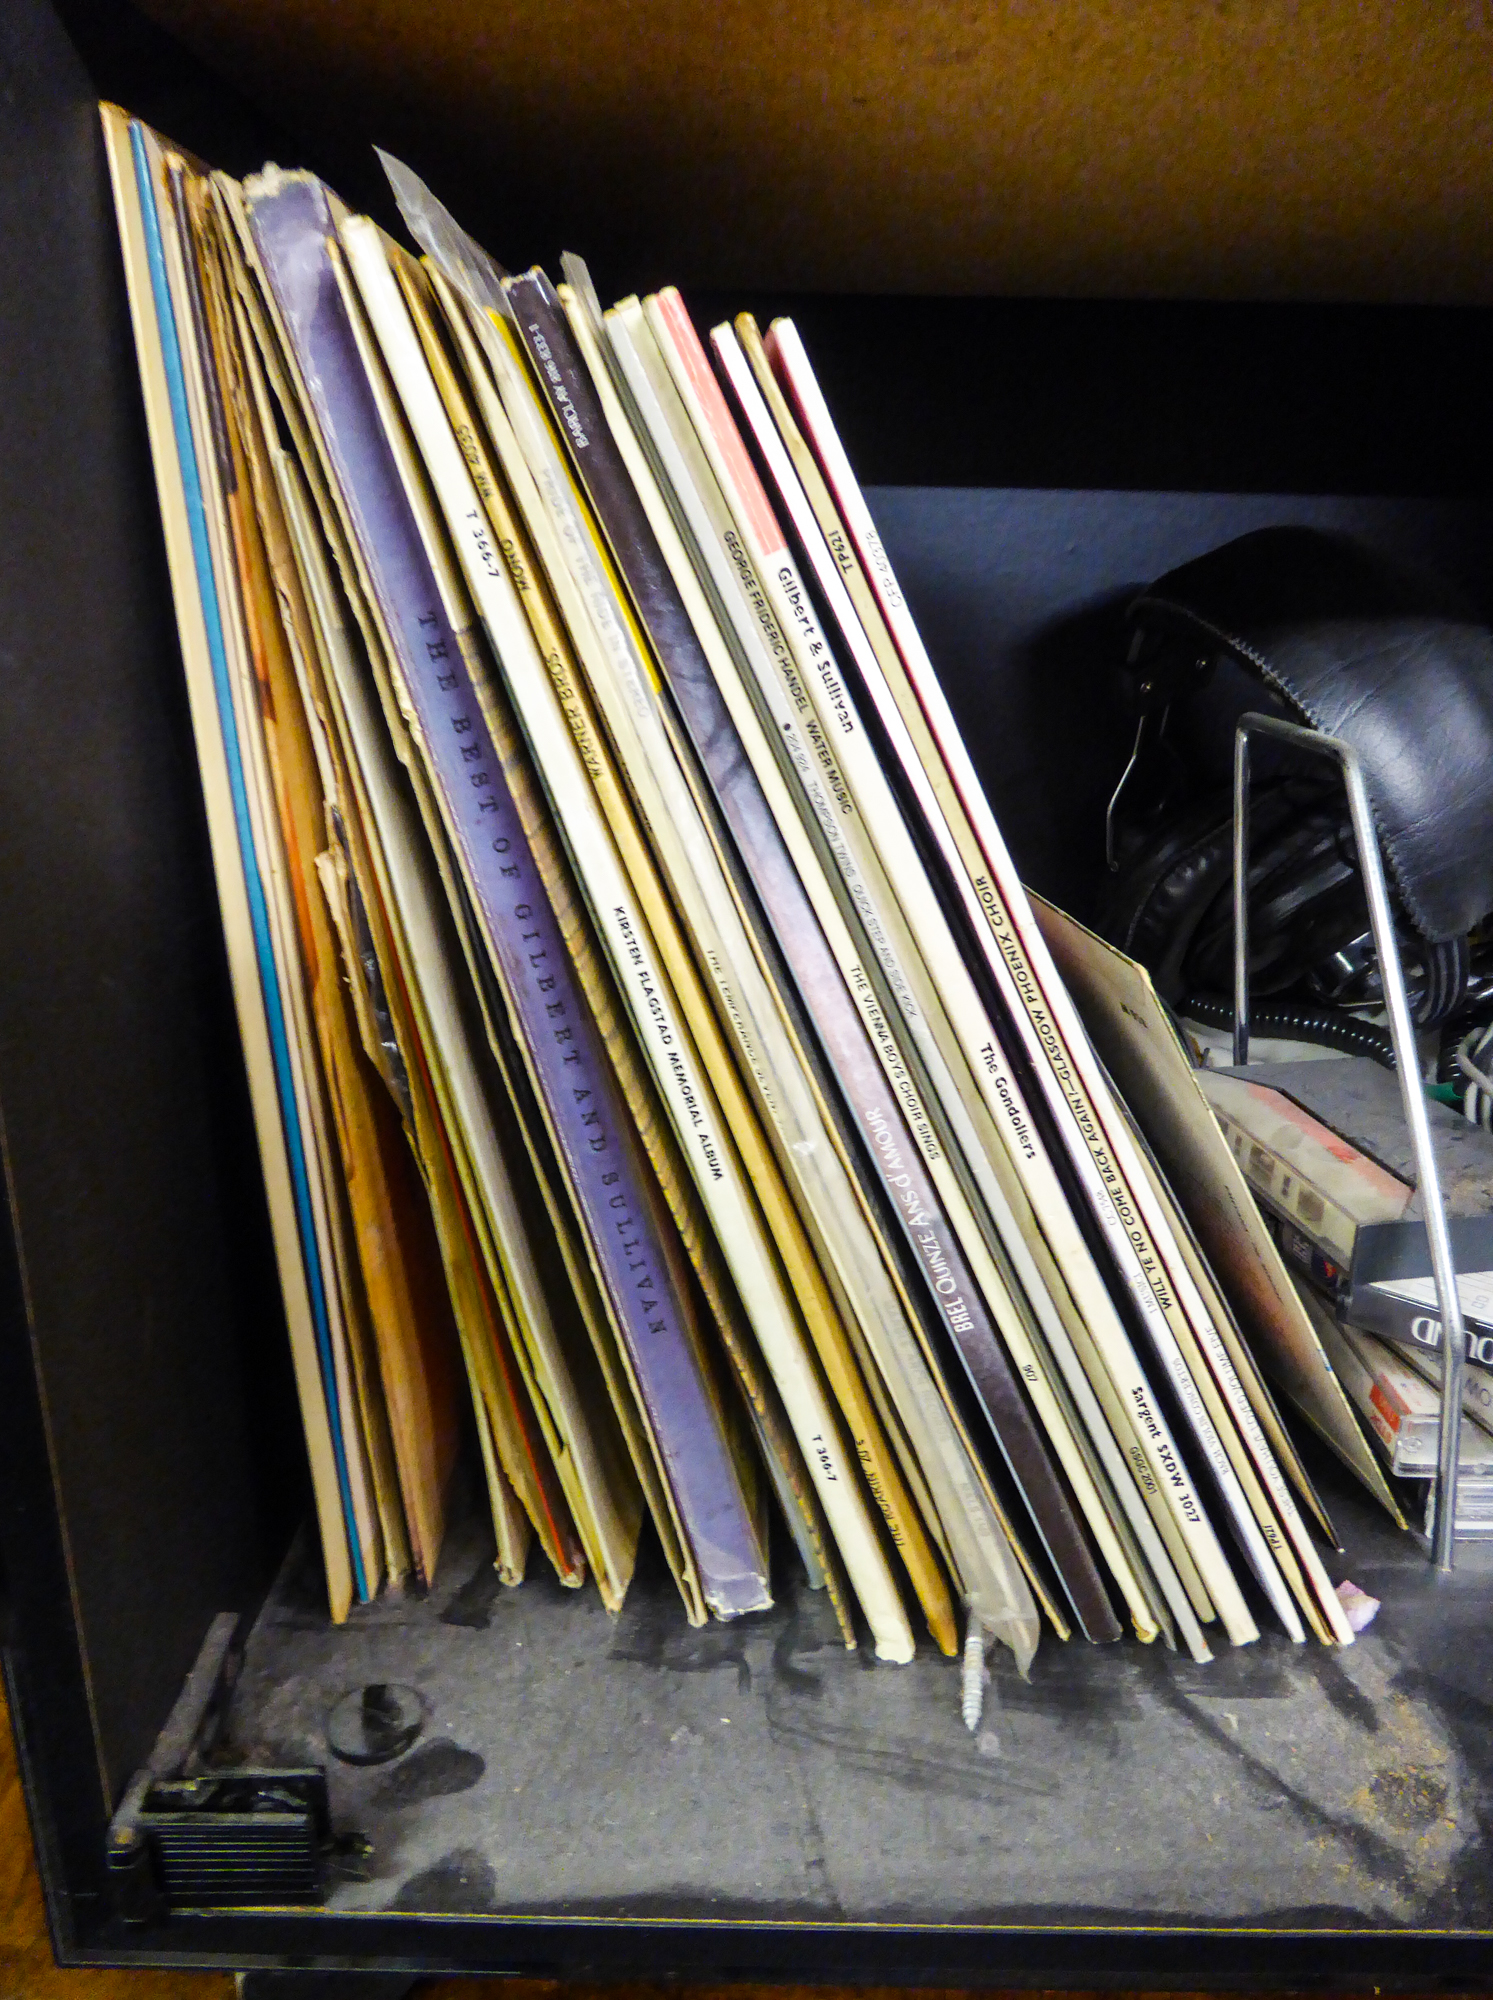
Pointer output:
x,y
1321,630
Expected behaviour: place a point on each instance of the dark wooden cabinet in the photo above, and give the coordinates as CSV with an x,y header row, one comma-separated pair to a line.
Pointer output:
x,y
589,1797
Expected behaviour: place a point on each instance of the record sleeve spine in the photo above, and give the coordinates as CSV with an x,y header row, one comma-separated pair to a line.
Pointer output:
x,y
565,1023
772,1056
408,1301
1049,1290
702,509
288,231
774,1434
1106,1164
163,408
683,1086
365,1232
730,776
401,911
913,704
381,879
565,542
987,1365
1202,1348
283,988
595,1135
689,675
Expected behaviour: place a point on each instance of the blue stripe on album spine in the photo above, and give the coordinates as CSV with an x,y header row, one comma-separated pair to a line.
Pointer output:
x,y
258,911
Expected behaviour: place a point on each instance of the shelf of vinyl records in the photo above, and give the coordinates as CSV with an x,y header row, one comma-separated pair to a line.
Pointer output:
x,y
656,1061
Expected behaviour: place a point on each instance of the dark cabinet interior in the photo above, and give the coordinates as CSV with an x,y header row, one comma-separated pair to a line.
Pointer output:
x,y
633,1795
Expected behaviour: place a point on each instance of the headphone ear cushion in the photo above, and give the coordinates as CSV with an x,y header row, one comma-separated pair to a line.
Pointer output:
x,y
1448,967
1300,871
1172,908
1152,908
1156,909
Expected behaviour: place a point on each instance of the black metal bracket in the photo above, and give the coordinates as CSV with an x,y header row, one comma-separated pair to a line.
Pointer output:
x,y
193,1837
275,1985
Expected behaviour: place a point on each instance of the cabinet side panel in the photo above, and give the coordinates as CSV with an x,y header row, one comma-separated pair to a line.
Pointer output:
x,y
146,1345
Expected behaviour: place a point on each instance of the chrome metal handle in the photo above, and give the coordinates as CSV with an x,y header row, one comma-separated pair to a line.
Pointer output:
x,y
1407,1061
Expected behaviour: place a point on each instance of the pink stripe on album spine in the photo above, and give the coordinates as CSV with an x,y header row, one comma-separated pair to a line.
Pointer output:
x,y
761,522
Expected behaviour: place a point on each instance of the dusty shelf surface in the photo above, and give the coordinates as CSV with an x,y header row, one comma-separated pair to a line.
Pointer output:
x,y
573,1765
570,1765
